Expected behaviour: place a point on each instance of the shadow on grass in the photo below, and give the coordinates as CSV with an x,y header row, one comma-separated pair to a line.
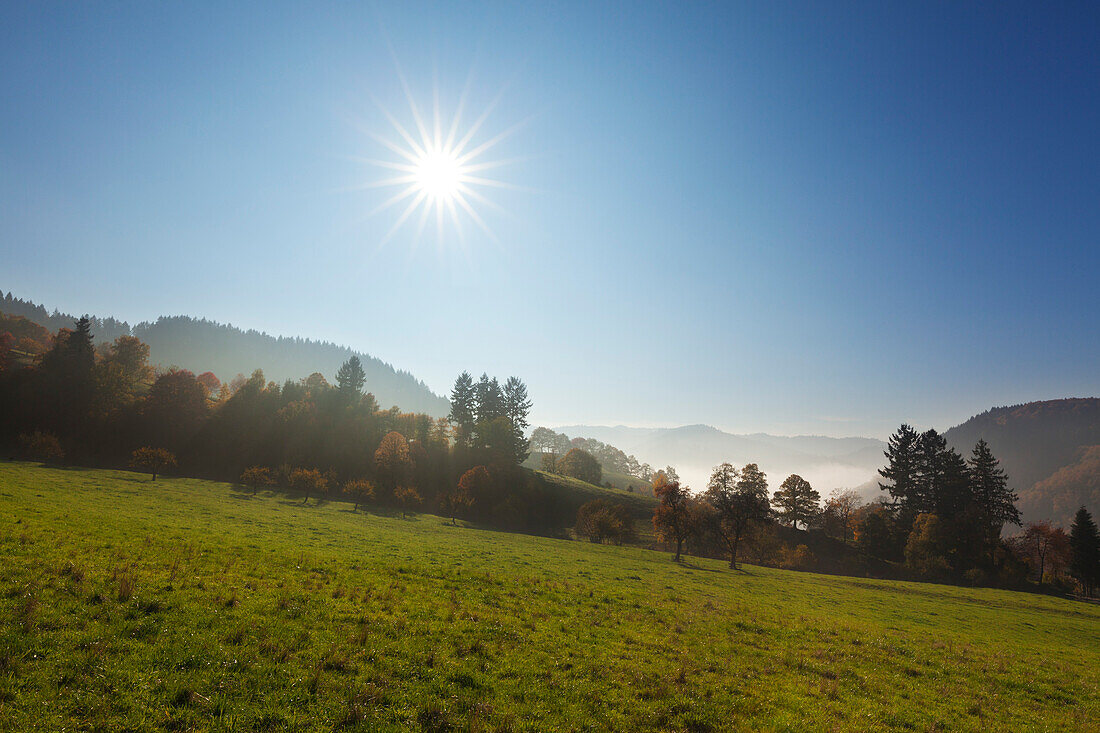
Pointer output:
x,y
692,566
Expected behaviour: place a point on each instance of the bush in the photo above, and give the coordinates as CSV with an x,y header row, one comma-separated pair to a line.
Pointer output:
x,y
798,558
41,446
601,521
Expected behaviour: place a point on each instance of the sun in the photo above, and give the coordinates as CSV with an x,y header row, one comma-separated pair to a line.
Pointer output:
x,y
439,170
438,174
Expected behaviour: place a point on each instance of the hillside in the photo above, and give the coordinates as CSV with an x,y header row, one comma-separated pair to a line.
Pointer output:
x,y
1045,448
200,345
185,604
694,450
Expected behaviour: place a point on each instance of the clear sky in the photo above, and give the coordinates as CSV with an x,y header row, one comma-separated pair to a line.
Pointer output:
x,y
766,217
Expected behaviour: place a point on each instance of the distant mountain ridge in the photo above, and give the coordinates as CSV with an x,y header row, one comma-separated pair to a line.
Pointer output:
x,y
201,345
693,450
1050,450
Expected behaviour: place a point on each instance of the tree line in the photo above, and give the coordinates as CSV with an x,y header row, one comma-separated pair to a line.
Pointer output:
x,y
106,406
941,517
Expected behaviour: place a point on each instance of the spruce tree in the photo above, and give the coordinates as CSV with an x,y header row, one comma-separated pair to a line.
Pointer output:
x,y
902,456
989,487
463,405
517,406
1084,540
351,378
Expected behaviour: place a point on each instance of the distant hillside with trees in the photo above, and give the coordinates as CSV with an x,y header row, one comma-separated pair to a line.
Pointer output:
x,y
200,345
1050,449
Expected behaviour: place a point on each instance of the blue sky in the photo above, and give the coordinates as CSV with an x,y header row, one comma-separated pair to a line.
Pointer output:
x,y
766,217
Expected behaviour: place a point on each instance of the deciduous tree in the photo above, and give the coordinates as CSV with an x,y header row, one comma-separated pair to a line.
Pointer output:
x,y
256,478
737,498
152,460
671,518
581,465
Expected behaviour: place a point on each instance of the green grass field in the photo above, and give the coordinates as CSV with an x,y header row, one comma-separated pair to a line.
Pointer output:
x,y
186,604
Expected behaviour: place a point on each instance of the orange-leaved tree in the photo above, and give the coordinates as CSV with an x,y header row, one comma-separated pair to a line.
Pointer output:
x,y
152,460
407,498
360,491
257,477
672,517
309,481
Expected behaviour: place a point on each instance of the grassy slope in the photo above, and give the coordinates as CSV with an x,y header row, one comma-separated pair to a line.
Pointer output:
x,y
642,504
259,613
619,481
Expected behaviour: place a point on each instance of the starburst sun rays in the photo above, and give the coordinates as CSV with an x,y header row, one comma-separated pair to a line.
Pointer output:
x,y
439,171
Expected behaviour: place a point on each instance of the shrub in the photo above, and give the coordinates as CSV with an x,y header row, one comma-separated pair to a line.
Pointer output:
x,y
798,558
41,446
602,521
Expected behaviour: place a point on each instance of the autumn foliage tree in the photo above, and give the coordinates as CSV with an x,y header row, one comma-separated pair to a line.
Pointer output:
x,y
152,460
407,498
256,478
359,491
672,517
309,482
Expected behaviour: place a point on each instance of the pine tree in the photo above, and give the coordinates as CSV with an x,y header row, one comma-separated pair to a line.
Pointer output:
x,y
989,487
1084,540
462,408
351,378
517,406
797,501
489,399
902,458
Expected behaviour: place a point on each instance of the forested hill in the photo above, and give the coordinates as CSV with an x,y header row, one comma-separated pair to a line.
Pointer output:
x,y
201,345
1050,449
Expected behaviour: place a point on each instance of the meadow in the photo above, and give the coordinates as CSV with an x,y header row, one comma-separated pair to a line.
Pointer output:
x,y
182,604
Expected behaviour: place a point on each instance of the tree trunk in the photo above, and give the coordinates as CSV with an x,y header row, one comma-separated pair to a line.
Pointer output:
x,y
733,552
679,545
154,475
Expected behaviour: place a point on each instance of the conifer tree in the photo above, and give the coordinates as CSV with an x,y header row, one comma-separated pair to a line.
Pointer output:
x,y
463,406
517,406
351,378
902,457
989,488
1084,540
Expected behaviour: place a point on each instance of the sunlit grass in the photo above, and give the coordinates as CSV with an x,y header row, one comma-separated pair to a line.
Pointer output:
x,y
188,604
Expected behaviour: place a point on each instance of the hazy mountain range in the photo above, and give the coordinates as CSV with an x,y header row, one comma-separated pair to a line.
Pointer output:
x,y
1050,450
693,450
201,345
